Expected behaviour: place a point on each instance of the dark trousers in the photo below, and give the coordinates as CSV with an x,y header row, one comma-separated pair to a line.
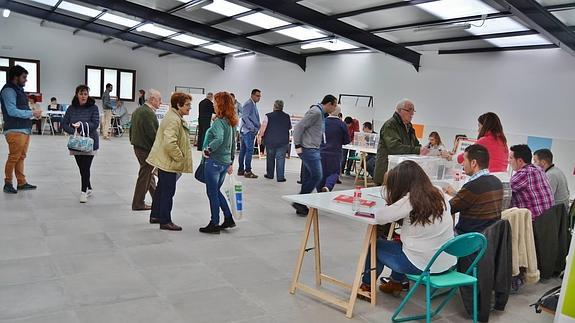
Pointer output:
x,y
84,163
203,126
276,158
38,124
163,197
330,165
145,182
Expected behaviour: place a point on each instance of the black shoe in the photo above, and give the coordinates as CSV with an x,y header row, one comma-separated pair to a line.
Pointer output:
x,y
9,188
299,181
300,209
170,227
211,228
268,177
281,180
241,173
228,223
338,181
154,220
27,187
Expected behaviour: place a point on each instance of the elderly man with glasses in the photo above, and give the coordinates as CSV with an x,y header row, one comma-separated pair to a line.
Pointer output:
x,y
397,137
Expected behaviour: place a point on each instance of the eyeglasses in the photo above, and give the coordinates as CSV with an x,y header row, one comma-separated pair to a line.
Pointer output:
x,y
408,110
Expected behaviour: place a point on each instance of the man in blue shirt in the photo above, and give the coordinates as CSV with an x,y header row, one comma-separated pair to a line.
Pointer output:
x,y
17,117
250,125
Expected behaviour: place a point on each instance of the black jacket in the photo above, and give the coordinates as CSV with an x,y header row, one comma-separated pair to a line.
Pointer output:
x,y
551,233
493,272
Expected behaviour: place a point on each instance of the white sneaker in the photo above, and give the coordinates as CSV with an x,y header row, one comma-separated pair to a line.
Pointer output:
x,y
83,197
89,193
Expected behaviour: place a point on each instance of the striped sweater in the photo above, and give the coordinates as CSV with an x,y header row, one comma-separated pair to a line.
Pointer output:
x,y
479,203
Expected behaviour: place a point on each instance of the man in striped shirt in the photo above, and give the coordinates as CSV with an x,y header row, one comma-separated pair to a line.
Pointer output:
x,y
530,186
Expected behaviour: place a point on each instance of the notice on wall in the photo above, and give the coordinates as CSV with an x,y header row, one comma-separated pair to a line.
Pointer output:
x,y
418,130
536,143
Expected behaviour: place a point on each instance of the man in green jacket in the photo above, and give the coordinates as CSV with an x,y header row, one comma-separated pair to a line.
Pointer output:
x,y
142,135
396,137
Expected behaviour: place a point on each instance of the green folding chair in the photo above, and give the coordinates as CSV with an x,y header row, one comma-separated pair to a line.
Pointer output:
x,y
460,246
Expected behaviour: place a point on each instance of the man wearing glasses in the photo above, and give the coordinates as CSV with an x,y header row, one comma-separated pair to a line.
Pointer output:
x,y
397,137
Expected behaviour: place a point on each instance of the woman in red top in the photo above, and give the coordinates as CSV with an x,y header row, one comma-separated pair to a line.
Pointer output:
x,y
492,138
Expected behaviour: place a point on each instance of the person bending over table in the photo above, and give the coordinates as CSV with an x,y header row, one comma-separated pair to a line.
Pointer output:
x,y
427,225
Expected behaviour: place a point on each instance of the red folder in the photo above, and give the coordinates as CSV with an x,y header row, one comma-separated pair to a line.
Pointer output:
x,y
348,199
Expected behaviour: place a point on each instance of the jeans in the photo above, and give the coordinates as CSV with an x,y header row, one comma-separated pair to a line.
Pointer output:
x,y
215,174
330,164
17,149
311,160
246,151
276,158
163,197
84,163
389,254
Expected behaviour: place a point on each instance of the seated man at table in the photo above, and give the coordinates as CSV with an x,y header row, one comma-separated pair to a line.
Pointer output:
x,y
544,159
370,160
529,185
56,119
480,200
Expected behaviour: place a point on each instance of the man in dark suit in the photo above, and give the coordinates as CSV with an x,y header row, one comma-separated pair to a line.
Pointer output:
x,y
206,111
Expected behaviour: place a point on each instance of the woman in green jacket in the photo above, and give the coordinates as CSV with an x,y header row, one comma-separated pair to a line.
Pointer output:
x,y
171,155
219,153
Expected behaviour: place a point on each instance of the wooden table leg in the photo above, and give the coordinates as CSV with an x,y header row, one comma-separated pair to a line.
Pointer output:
x,y
316,250
364,167
360,268
301,254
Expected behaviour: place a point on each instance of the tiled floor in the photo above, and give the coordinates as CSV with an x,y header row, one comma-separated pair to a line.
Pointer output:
x,y
62,261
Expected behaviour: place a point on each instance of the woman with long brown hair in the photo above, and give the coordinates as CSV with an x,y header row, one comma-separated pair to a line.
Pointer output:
x,y
427,225
219,152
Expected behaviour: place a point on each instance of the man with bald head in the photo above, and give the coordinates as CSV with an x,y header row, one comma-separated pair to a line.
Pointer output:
x,y
396,137
142,135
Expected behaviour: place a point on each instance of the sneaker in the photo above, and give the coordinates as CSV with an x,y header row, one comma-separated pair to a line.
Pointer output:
x,y
211,228
228,223
324,189
89,192
241,173
83,197
27,187
170,227
250,175
281,180
9,188
268,177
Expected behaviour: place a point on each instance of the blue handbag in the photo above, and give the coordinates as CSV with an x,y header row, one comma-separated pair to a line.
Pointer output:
x,y
83,142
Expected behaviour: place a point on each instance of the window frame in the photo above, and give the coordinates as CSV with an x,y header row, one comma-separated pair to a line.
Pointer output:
x,y
11,61
119,72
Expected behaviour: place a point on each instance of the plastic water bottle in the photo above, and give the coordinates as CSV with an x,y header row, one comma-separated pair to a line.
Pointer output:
x,y
238,188
356,204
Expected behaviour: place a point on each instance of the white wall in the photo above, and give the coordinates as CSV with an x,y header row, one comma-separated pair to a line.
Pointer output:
x,y
533,92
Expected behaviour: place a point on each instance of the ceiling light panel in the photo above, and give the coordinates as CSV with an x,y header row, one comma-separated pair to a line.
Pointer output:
x,y
527,40
448,9
264,21
494,26
333,45
221,48
189,39
301,33
225,8
50,3
68,6
119,20
156,30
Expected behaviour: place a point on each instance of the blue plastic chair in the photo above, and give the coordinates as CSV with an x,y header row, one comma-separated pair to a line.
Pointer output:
x,y
460,246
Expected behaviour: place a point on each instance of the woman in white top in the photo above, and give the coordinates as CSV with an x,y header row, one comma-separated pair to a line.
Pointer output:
x,y
427,225
435,145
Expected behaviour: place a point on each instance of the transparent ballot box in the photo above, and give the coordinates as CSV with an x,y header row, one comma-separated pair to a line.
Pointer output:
x,y
436,168
369,140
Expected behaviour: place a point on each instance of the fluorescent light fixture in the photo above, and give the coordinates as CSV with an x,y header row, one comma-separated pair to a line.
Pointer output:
x,y
118,20
301,33
68,6
333,45
526,40
221,48
50,3
448,9
6,13
153,29
494,26
244,54
462,26
189,39
262,20
225,8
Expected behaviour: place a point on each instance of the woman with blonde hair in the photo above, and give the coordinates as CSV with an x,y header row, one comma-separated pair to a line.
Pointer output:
x,y
171,154
219,152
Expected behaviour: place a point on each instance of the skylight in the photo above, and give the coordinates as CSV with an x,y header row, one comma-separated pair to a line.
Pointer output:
x,y
221,48
262,20
154,29
79,9
189,39
448,9
119,20
50,3
333,45
494,26
301,33
526,40
225,8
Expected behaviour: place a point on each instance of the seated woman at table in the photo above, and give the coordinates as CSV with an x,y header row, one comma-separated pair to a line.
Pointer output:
x,y
427,225
435,145
56,120
121,111
34,107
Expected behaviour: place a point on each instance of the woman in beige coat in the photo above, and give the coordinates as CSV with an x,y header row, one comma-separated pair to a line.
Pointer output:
x,y
171,155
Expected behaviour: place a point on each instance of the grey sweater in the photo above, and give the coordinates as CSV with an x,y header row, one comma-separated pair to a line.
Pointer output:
x,y
308,133
559,185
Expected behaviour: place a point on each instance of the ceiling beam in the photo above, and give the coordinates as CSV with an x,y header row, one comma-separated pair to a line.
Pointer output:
x,y
493,49
393,5
332,25
90,21
537,17
199,29
108,31
52,10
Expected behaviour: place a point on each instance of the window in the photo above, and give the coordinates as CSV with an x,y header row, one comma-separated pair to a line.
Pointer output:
x,y
32,66
123,82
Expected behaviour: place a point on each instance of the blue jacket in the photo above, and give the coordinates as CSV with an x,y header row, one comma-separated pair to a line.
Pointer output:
x,y
336,135
15,110
250,118
87,114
